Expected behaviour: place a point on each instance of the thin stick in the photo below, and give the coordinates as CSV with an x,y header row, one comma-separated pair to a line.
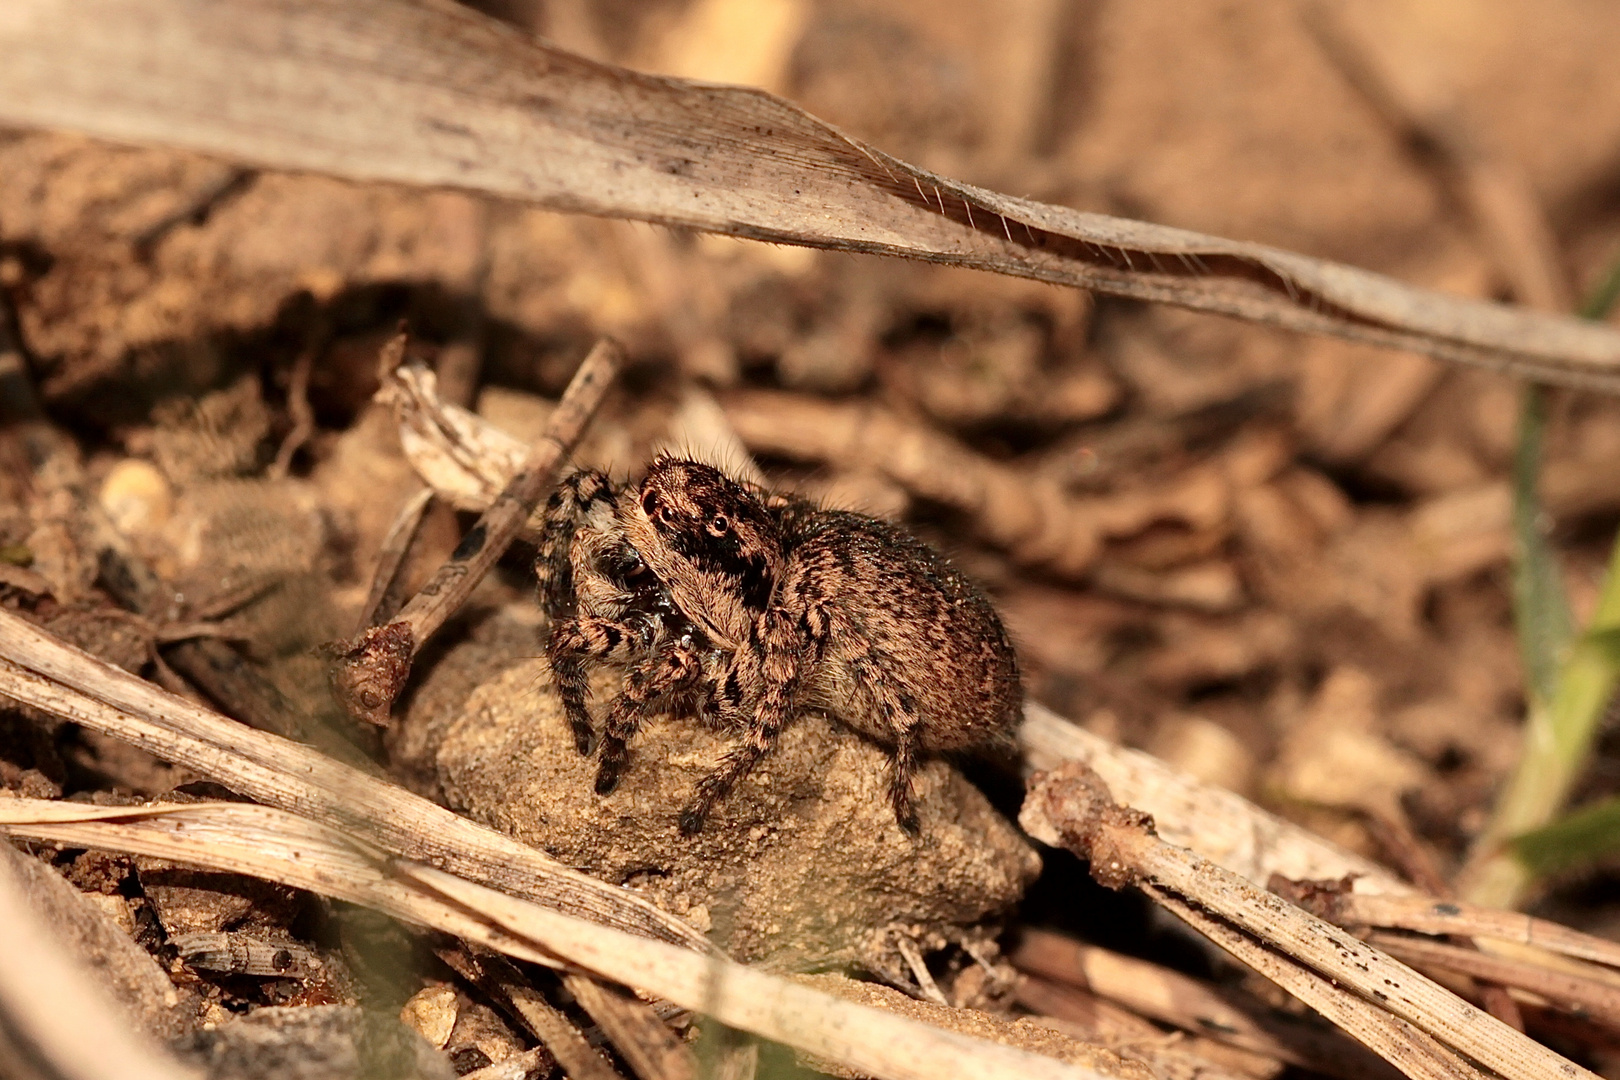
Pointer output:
x,y
375,666
1415,1052
1173,998
1072,806
1429,916
395,546
652,1051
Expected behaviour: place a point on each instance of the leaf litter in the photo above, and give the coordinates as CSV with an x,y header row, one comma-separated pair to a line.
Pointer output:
x,y
1211,539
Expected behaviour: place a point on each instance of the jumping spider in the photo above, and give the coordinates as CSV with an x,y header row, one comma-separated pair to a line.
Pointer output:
x,y
743,607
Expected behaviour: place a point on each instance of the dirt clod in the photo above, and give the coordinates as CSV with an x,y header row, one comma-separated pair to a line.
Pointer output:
x,y
795,869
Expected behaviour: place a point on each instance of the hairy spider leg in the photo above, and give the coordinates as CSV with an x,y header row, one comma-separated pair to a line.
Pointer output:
x,y
569,644
564,510
666,673
779,661
899,714
575,639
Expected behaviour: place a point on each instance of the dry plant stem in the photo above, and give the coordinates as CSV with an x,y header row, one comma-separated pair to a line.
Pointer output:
x,y
1216,823
38,670
1076,1014
281,773
56,1020
1428,916
375,667
1072,807
439,96
862,1039
1393,832
1587,997
652,1051
1410,1049
498,978
1173,998
271,843
396,546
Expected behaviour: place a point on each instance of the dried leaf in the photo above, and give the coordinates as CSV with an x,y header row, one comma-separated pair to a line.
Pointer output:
x,y
437,95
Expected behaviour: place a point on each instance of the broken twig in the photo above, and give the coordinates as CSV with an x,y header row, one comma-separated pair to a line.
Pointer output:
x,y
373,668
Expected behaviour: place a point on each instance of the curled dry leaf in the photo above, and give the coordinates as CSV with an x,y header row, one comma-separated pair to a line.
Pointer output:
x,y
441,96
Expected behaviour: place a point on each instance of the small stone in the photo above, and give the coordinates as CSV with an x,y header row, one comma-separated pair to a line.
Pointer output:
x,y
431,1013
799,867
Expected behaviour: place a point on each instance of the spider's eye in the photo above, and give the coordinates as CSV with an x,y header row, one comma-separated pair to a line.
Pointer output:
x,y
649,503
719,524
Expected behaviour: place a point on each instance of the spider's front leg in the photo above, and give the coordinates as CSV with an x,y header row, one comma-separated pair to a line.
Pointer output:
x,y
670,670
776,663
575,640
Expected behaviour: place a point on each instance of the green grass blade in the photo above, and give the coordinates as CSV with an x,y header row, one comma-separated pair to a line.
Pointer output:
x,y
1540,608
1575,840
1569,680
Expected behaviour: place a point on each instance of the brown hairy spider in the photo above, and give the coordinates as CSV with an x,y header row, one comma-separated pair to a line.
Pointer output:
x,y
743,607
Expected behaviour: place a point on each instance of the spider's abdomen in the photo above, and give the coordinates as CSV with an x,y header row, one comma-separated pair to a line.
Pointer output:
x,y
899,630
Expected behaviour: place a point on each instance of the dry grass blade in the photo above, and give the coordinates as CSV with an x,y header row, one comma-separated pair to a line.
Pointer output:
x,y
375,666
437,95
1072,807
259,841
278,845
396,546
1216,823
55,1020
1429,916
1594,1000
1412,1050
38,670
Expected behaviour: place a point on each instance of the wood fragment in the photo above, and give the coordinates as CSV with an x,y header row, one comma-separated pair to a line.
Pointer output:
x,y
1181,1001
373,667
643,1040
505,984
245,954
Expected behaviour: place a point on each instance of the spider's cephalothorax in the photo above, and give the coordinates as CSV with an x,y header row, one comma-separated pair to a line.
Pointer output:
x,y
746,607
